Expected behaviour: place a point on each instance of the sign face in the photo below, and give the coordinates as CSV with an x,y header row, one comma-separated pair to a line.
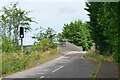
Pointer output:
x,y
21,32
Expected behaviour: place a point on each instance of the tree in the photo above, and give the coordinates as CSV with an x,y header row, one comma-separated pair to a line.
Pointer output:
x,y
60,38
104,24
46,38
95,12
43,45
48,33
12,18
77,33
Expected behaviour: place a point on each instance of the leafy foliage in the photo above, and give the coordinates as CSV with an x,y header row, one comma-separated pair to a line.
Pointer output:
x,y
46,38
60,38
15,62
43,45
6,45
104,25
11,19
77,33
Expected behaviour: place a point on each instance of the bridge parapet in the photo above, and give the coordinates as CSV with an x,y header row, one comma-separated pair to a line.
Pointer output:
x,y
71,47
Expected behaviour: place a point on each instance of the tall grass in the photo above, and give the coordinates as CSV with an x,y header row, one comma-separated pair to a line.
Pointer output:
x,y
90,55
0,64
14,62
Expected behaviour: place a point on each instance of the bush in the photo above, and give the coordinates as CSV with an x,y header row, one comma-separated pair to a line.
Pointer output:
x,y
14,62
44,45
78,33
7,45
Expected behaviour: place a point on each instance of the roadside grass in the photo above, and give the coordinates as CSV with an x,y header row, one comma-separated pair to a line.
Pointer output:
x,y
99,59
95,71
0,64
119,72
14,62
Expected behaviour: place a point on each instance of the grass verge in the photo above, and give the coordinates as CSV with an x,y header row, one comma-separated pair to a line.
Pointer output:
x,y
95,71
99,59
15,62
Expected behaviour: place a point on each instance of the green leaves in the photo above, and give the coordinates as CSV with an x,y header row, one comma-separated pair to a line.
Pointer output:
x,y
104,25
78,33
46,38
11,19
6,45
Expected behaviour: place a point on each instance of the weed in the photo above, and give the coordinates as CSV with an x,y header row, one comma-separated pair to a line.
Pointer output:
x,y
98,58
14,62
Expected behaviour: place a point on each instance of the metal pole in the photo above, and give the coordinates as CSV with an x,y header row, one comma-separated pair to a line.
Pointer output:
x,y
21,44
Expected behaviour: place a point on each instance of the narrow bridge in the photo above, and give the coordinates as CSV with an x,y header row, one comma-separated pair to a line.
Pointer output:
x,y
71,47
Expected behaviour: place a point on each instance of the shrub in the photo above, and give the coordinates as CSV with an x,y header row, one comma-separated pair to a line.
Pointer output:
x,y
7,45
43,45
14,62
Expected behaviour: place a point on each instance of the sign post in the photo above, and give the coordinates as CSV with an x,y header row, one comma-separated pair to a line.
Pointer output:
x,y
21,36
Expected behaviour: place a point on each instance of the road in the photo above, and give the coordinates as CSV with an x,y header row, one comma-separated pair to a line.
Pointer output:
x,y
70,65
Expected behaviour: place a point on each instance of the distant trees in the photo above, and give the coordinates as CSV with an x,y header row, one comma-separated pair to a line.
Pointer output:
x,y
105,26
11,19
46,38
78,33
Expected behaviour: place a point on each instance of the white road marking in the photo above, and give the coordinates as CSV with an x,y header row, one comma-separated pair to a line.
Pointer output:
x,y
59,57
62,62
80,52
57,69
42,77
73,52
45,70
39,73
42,72
70,53
66,57
66,60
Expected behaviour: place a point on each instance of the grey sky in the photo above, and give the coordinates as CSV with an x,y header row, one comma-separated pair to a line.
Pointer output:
x,y
51,13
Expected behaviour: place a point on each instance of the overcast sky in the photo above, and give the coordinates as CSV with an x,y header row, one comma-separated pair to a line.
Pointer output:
x,y
51,13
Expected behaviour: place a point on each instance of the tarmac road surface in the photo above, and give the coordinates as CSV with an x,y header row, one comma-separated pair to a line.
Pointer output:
x,y
70,65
